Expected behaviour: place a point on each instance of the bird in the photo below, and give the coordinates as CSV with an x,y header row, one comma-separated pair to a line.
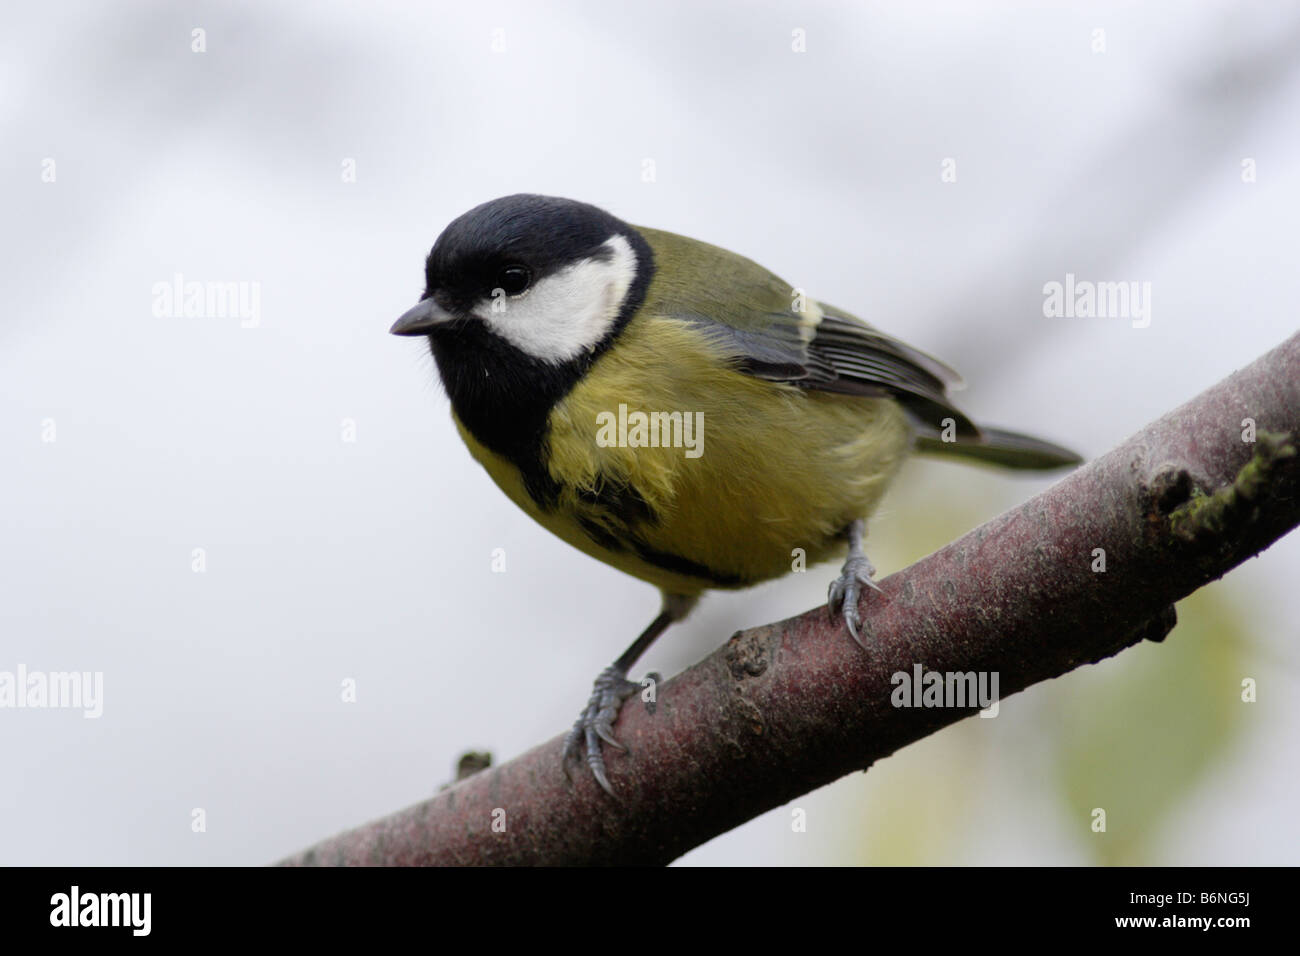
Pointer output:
x,y
677,411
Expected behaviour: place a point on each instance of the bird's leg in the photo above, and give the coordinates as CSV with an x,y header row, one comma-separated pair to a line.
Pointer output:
x,y
847,588
596,723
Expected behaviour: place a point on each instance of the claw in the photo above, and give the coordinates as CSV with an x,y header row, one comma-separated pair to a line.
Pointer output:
x,y
845,591
596,723
608,737
598,771
854,621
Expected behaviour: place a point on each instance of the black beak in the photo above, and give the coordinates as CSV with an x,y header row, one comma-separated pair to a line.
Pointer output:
x,y
418,321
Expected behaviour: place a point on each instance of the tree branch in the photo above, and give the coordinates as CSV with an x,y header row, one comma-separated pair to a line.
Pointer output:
x,y
783,709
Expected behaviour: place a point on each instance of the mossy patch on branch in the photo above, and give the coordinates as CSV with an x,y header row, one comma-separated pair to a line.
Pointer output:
x,y
1216,513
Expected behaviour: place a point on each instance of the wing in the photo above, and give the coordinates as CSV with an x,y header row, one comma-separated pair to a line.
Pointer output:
x,y
776,334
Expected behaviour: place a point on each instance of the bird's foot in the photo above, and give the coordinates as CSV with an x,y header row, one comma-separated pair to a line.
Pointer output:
x,y
596,722
847,588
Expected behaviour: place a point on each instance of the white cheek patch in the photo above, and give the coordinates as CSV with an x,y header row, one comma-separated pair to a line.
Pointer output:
x,y
570,311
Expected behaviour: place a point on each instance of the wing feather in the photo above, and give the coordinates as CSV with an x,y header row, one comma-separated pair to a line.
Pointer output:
x,y
749,313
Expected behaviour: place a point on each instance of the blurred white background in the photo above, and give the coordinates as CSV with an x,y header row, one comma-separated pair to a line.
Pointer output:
x,y
329,560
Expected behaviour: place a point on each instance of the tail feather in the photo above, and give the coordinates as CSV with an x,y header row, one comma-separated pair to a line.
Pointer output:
x,y
995,446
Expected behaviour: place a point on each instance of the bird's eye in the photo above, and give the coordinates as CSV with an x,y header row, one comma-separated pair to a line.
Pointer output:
x,y
513,280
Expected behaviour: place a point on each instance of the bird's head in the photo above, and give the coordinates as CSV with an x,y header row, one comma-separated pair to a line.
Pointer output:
x,y
551,278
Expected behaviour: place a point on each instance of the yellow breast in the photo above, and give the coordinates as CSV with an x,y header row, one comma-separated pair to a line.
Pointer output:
x,y
751,473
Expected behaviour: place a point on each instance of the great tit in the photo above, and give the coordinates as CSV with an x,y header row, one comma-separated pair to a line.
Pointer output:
x,y
676,410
